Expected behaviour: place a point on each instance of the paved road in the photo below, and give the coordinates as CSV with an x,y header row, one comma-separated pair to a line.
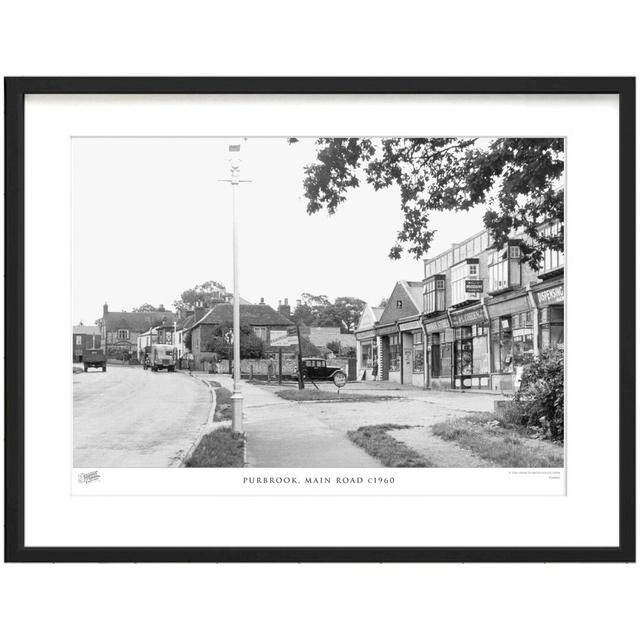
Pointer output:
x,y
128,417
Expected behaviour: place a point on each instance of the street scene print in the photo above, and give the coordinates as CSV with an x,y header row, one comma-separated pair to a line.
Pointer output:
x,y
317,303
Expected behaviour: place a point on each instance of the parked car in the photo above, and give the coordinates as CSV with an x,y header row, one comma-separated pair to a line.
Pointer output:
x,y
94,358
160,356
317,369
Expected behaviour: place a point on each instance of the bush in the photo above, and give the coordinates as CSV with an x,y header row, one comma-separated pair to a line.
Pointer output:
x,y
539,403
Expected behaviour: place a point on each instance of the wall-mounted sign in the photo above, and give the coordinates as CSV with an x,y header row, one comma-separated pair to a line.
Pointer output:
x,y
468,317
550,296
473,286
437,326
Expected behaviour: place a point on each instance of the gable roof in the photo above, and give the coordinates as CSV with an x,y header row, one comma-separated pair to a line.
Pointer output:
x,y
410,294
370,315
414,289
138,322
252,314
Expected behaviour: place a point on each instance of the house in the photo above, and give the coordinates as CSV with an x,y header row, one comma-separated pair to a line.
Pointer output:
x,y
85,337
120,330
264,321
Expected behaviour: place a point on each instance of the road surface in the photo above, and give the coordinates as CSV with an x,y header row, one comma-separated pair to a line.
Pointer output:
x,y
127,417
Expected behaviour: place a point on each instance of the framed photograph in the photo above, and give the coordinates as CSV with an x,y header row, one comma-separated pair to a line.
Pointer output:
x,y
320,319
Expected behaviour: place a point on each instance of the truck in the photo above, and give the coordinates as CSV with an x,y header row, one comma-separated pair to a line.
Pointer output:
x,y
160,356
94,358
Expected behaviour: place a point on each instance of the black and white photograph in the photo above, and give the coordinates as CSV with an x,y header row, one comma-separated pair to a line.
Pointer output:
x,y
318,303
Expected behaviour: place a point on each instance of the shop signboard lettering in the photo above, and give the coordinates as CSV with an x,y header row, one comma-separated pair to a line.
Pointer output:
x,y
470,317
551,296
473,286
438,325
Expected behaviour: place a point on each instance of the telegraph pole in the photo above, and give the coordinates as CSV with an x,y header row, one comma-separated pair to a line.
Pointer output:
x,y
236,396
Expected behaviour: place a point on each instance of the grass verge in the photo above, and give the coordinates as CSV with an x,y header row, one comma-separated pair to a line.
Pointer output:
x,y
483,435
223,405
378,443
302,395
220,448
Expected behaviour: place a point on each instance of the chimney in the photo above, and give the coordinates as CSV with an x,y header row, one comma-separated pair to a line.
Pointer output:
x,y
105,309
261,300
284,309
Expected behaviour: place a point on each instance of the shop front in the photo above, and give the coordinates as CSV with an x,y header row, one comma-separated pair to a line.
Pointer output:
x,y
550,302
470,349
412,341
439,363
389,361
367,353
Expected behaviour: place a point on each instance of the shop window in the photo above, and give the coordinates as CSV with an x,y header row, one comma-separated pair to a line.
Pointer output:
x,y
436,362
467,270
394,352
446,359
418,353
368,354
502,345
434,295
552,326
463,351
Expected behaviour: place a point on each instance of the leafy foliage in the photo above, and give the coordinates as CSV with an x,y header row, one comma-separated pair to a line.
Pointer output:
x,y
250,345
143,308
518,180
319,311
539,403
205,295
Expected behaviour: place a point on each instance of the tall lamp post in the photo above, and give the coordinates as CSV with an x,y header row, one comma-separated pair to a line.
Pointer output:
x,y
236,396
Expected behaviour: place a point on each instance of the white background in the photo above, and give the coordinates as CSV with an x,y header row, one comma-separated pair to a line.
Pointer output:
x,y
334,38
586,516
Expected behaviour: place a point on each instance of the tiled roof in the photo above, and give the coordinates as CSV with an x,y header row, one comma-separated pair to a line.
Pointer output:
x,y
138,322
415,292
377,312
86,329
251,314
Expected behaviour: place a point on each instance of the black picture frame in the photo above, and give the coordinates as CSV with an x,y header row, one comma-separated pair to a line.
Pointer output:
x,y
15,91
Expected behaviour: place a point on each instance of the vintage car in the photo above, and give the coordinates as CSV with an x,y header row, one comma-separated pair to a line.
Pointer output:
x,y
316,369
94,358
160,356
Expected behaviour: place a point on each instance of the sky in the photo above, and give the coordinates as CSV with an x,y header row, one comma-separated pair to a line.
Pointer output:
x,y
151,218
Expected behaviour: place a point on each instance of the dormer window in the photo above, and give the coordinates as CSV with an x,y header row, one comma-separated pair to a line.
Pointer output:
x,y
504,267
466,284
434,294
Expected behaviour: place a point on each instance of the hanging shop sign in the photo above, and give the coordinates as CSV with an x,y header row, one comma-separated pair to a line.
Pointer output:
x,y
468,317
550,296
473,286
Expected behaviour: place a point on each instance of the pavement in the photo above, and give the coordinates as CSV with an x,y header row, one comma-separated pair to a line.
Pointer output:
x,y
128,417
282,434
